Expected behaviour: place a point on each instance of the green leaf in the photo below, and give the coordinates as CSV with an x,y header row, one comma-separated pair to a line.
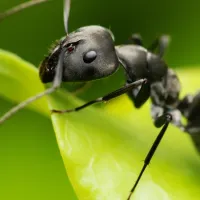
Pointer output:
x,y
31,166
19,80
103,148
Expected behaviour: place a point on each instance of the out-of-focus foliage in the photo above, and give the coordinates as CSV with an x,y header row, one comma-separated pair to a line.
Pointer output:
x,y
31,32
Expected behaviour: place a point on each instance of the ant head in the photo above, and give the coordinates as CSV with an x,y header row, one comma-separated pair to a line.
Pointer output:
x,y
89,55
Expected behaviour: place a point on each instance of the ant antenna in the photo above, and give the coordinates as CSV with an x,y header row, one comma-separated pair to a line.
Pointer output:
x,y
66,14
56,84
58,75
19,8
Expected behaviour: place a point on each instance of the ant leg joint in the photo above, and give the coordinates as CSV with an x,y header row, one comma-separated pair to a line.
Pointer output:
x,y
169,117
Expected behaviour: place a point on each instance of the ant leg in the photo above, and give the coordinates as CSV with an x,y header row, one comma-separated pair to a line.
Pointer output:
x,y
139,95
56,84
191,109
19,8
164,41
161,43
194,108
193,128
184,104
107,97
154,45
137,39
164,121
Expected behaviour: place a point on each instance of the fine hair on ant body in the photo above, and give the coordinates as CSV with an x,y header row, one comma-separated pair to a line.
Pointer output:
x,y
89,53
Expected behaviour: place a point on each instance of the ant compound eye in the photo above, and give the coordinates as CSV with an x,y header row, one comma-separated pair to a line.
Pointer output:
x,y
89,56
70,48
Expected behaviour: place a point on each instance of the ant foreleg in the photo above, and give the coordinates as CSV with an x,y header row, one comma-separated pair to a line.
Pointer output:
x,y
164,121
56,84
105,98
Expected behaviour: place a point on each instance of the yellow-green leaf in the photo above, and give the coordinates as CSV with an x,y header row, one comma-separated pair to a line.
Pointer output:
x,y
103,150
19,80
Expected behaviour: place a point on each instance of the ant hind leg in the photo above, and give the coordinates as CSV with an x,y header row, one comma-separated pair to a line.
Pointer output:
x,y
161,43
164,121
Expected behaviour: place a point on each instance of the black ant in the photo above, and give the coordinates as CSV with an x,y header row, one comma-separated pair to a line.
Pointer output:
x,y
89,53
83,55
163,87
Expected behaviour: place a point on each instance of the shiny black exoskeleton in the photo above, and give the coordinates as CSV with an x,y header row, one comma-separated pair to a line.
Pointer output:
x,y
89,55
163,88
140,63
163,85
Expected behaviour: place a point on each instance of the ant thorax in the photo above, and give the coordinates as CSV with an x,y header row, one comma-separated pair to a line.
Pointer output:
x,y
165,93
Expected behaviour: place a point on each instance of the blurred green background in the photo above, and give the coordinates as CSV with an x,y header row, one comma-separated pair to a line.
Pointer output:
x,y
31,166
31,32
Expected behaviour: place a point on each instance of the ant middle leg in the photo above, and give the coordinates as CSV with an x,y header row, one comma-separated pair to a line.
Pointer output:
x,y
105,98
